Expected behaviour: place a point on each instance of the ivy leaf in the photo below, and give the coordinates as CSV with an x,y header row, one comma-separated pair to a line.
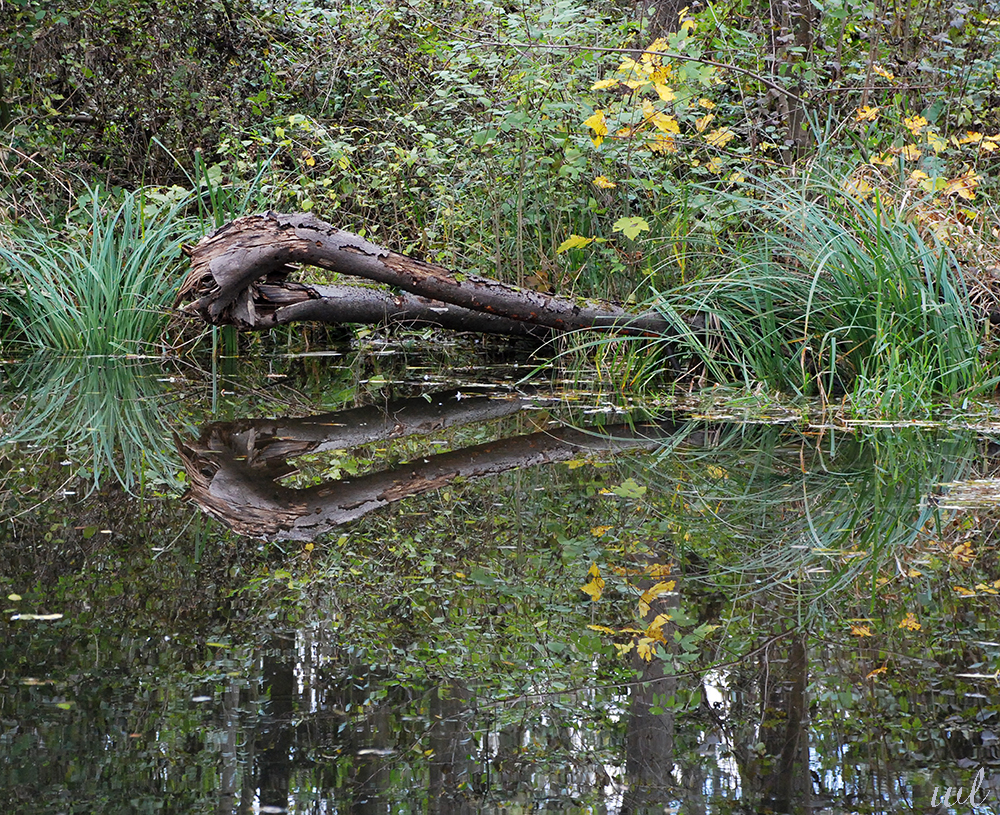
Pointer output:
x,y
631,227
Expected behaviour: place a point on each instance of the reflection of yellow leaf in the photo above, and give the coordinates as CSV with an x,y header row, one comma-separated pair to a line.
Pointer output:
x,y
721,137
860,630
604,183
866,114
599,124
910,622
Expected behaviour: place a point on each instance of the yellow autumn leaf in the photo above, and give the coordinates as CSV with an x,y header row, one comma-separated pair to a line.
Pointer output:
x,y
867,113
655,629
662,144
982,587
703,122
963,592
603,84
882,72
911,152
915,123
708,104
991,143
645,648
883,159
970,137
664,92
659,45
603,629
937,142
720,138
624,647
858,188
910,622
652,593
604,183
876,672
965,187
659,119
663,569
861,630
597,122
595,585
718,473
597,531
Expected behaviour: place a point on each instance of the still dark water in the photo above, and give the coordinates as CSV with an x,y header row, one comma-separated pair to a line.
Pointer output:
x,y
388,581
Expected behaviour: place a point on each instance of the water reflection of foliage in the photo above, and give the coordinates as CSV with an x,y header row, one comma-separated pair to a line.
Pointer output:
x,y
809,511
110,416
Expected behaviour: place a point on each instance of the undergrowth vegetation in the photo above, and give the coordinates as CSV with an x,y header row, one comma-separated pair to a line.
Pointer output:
x,y
799,188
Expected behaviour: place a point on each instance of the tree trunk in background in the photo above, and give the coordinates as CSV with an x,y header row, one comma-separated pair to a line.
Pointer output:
x,y
793,23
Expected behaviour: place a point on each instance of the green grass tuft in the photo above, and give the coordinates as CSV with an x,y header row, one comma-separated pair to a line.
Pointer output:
x,y
104,292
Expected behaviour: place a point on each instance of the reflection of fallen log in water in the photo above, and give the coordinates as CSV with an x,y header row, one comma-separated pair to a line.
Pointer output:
x,y
234,468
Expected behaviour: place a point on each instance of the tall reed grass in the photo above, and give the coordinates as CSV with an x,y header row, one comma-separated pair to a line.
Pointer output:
x,y
104,292
815,291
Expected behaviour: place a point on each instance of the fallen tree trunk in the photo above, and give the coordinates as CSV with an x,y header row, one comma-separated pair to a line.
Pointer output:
x,y
239,276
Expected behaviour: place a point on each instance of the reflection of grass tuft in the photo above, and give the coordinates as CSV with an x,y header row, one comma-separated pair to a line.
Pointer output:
x,y
820,292
106,292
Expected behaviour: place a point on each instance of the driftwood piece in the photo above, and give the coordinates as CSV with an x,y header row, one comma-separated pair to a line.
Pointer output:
x,y
239,275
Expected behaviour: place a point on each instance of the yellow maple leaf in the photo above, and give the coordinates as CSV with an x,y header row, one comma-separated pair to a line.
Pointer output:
x,y
910,622
866,113
604,183
597,122
720,138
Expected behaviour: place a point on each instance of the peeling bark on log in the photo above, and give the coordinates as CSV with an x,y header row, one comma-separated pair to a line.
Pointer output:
x,y
238,275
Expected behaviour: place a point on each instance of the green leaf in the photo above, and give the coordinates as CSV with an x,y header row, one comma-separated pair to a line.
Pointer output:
x,y
629,488
631,227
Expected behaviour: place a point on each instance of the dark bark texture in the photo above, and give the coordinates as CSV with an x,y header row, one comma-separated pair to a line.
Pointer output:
x,y
239,275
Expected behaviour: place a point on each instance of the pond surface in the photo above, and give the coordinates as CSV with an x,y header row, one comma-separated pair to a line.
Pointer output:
x,y
392,580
